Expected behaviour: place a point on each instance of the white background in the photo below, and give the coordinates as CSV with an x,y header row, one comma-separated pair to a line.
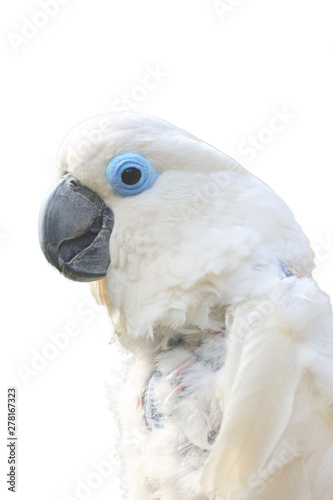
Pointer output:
x,y
224,77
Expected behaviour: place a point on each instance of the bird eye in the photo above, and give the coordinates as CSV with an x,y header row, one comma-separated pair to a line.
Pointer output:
x,y
130,174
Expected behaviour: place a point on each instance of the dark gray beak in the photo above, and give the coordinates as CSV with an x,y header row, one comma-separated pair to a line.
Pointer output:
x,y
75,227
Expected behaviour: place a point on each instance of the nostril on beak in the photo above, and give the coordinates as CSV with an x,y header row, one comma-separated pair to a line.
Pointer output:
x,y
73,183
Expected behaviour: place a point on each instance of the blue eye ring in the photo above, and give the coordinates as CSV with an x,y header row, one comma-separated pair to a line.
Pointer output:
x,y
130,174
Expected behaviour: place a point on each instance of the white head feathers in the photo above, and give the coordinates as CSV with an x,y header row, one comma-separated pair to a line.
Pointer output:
x,y
206,234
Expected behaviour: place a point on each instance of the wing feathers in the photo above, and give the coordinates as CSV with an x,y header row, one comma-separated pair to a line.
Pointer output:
x,y
272,376
256,411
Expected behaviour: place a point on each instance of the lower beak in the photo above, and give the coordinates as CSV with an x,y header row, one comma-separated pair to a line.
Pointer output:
x,y
75,228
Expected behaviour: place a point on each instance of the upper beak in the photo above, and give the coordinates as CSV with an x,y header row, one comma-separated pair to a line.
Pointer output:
x,y
75,227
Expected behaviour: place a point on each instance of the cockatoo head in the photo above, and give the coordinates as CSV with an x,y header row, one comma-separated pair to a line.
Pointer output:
x,y
178,229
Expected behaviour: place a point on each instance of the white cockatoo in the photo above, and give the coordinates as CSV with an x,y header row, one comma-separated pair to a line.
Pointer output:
x,y
207,278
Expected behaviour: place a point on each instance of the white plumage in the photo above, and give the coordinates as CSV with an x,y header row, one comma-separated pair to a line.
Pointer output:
x,y
230,392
